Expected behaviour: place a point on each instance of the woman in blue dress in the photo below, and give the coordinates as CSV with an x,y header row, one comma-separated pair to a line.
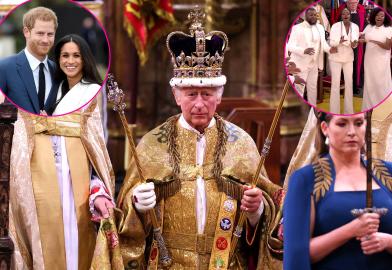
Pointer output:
x,y
319,230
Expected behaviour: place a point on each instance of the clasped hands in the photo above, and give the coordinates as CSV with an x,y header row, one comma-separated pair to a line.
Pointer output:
x,y
144,199
366,231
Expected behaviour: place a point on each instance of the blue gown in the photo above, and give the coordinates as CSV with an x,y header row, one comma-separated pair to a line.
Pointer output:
x,y
332,211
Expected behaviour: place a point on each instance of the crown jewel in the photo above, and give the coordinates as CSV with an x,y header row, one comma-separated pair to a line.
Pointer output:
x,y
197,55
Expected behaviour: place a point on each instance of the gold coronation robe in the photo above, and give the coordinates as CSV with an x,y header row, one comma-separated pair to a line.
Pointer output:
x,y
188,249
35,209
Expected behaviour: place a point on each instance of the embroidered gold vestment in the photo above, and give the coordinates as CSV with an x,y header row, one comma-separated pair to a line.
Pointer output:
x,y
35,209
190,250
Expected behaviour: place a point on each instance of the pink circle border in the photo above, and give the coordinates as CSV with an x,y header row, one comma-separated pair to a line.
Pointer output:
x,y
107,70
292,85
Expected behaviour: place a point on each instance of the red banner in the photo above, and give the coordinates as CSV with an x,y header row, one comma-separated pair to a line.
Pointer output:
x,y
145,22
335,13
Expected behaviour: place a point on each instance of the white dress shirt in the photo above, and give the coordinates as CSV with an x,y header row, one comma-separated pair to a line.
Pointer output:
x,y
34,65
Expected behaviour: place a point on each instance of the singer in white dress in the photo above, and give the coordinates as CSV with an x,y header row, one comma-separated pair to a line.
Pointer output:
x,y
377,69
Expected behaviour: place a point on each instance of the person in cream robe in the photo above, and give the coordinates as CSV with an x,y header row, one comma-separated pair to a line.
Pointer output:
x,y
61,180
70,148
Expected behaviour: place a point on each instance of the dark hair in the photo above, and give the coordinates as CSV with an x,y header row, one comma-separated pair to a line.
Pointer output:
x,y
306,14
89,70
320,145
321,148
310,9
373,14
341,12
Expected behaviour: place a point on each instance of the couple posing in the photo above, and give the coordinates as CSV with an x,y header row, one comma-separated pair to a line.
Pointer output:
x,y
61,176
41,86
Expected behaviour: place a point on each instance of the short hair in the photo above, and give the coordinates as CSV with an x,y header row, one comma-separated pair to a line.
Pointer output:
x,y
341,12
310,9
373,14
39,13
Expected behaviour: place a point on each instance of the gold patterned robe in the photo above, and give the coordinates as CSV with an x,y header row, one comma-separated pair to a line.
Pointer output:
x,y
35,211
178,212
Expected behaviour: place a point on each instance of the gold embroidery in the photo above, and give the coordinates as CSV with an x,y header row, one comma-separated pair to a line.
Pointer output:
x,y
223,234
323,178
179,210
168,133
68,125
231,186
166,188
382,173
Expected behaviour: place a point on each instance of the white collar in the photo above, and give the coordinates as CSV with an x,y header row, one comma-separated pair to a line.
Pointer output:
x,y
305,22
34,62
310,25
185,124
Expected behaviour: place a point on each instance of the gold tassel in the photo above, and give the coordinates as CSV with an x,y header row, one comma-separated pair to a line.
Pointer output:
x,y
166,188
169,187
231,186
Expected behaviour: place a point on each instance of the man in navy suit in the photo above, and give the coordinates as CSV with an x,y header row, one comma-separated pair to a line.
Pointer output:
x,y
27,77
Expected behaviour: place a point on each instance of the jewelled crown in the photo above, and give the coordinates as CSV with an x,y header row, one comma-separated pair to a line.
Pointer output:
x,y
198,57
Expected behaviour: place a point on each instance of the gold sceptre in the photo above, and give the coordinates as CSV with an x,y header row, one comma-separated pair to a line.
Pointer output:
x,y
116,96
264,152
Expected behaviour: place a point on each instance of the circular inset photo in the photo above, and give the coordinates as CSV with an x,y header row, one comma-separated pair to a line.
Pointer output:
x,y
338,56
54,56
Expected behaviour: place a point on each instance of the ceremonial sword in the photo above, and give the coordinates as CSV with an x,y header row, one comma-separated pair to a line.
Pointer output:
x,y
116,96
370,208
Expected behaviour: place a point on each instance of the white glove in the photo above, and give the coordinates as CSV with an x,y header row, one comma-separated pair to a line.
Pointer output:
x,y
143,197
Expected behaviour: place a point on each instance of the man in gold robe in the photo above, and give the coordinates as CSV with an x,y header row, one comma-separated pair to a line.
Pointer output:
x,y
197,166
53,194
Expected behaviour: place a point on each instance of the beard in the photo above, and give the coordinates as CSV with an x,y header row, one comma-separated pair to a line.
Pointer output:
x,y
40,49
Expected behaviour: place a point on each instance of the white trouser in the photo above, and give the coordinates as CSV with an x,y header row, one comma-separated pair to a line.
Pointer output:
x,y
310,75
334,102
